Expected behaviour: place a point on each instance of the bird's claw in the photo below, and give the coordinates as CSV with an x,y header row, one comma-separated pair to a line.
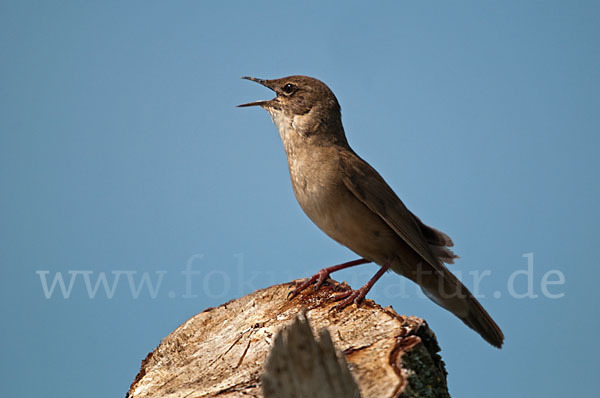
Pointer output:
x,y
349,296
320,278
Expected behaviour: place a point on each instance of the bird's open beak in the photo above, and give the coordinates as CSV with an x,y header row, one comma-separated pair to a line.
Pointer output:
x,y
265,103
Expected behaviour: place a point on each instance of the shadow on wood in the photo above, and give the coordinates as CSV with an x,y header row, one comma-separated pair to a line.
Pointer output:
x,y
299,365
222,351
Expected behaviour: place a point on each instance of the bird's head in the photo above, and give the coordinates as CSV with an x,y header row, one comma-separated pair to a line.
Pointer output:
x,y
303,103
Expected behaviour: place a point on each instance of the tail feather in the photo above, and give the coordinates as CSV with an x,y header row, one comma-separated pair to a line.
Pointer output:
x,y
479,320
448,292
444,254
433,236
438,241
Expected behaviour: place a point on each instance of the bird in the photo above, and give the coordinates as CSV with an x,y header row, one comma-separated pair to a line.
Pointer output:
x,y
351,202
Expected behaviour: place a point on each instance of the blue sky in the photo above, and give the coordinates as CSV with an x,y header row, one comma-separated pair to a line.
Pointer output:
x,y
122,154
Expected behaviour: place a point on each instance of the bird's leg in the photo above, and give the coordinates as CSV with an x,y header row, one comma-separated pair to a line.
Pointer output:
x,y
357,295
323,274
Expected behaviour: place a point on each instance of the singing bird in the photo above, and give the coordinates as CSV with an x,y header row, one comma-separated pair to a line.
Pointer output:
x,y
349,201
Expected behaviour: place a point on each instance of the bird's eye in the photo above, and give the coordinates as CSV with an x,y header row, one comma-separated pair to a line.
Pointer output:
x,y
289,88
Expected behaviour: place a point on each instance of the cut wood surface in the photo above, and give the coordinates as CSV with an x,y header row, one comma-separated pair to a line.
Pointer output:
x,y
221,352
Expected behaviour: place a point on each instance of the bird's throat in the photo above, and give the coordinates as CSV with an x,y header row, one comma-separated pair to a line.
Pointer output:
x,y
284,124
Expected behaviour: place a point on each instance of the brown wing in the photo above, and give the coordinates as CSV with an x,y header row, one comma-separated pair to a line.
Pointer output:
x,y
370,188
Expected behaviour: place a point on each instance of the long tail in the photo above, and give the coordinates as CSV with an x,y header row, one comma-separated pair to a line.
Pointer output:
x,y
447,291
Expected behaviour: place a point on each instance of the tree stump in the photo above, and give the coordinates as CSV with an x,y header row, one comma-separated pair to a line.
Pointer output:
x,y
222,351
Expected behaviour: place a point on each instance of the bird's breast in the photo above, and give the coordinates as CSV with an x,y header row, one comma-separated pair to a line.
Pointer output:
x,y
322,195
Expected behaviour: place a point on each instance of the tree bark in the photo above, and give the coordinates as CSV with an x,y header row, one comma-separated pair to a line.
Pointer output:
x,y
222,351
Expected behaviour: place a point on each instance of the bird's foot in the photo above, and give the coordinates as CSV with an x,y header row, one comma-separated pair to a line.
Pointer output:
x,y
350,296
356,296
322,276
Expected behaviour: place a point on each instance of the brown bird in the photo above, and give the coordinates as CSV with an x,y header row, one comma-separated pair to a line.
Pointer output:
x,y
348,199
